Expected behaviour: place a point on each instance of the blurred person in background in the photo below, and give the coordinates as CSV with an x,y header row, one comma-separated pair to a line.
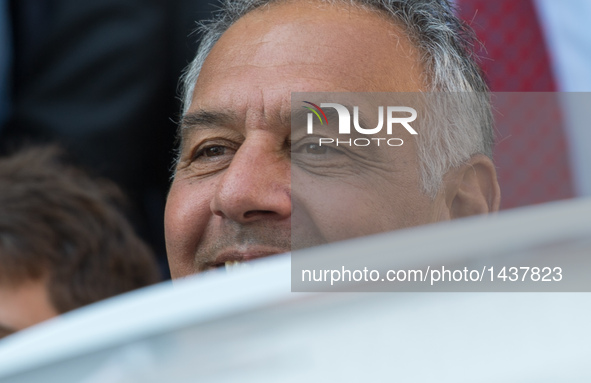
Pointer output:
x,y
64,241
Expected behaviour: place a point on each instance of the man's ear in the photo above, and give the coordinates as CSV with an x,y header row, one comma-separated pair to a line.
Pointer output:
x,y
473,188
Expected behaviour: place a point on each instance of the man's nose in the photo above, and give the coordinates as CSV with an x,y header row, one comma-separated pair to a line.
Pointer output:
x,y
256,186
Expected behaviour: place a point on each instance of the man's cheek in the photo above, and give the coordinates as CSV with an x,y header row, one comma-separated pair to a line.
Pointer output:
x,y
186,216
326,212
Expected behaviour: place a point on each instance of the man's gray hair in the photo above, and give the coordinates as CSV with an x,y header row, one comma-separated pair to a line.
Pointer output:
x,y
445,45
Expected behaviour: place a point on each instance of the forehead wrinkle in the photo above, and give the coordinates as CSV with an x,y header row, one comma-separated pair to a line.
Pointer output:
x,y
264,110
315,74
285,111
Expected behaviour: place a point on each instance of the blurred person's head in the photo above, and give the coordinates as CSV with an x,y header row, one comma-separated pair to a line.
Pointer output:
x,y
231,197
64,241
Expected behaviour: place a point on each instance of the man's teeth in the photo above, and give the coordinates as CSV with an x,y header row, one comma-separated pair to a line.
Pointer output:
x,y
233,266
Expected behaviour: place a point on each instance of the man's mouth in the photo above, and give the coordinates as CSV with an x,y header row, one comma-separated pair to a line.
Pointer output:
x,y
236,266
239,261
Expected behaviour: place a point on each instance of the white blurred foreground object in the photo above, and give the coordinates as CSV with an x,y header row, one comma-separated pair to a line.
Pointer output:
x,y
249,327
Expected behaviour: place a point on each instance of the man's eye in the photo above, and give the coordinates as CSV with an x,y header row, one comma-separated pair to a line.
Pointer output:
x,y
315,149
213,151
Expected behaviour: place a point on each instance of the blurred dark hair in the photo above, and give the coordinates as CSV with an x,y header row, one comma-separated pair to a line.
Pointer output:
x,y
59,225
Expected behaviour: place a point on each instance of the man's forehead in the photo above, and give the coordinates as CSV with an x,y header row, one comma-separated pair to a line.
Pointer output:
x,y
290,48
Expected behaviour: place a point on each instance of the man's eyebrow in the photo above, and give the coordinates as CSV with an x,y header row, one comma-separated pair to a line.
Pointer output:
x,y
300,115
206,119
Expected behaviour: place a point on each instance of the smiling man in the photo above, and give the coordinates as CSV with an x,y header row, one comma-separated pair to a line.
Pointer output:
x,y
243,189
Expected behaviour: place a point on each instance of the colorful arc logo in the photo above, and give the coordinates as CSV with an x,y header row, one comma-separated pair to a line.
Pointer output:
x,y
316,113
